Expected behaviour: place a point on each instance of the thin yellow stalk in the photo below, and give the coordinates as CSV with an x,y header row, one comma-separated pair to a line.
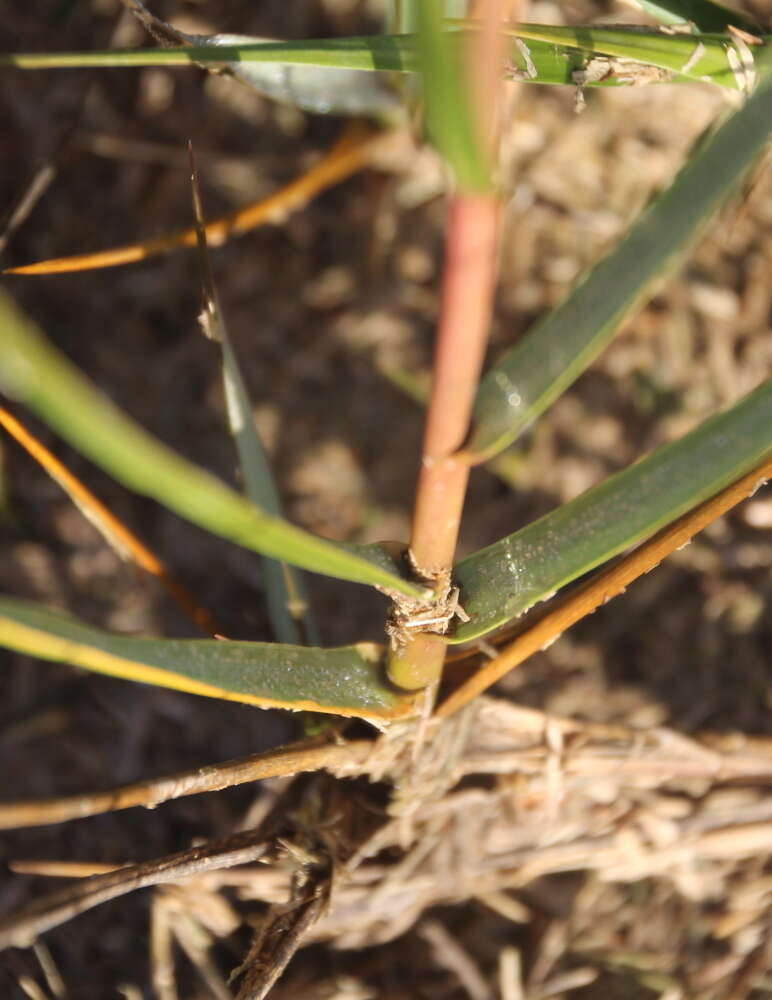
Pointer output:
x,y
351,152
116,534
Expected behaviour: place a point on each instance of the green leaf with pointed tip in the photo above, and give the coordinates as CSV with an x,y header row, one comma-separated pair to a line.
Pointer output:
x,y
347,681
36,374
703,14
504,580
284,587
530,376
394,53
287,606
551,57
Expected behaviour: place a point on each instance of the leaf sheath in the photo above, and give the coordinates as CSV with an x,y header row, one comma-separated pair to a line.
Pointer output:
x,y
345,681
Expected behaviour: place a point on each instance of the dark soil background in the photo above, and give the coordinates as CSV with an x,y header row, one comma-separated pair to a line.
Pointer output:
x,y
319,308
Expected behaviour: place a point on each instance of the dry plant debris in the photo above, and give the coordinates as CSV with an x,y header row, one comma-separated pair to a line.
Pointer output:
x,y
499,799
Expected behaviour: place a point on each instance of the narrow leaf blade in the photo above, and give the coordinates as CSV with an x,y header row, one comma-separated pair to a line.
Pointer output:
x,y
318,89
530,376
394,53
717,57
284,587
553,56
346,681
36,374
504,580
286,608
449,110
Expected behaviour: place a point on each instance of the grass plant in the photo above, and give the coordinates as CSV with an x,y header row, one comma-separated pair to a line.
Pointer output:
x,y
428,723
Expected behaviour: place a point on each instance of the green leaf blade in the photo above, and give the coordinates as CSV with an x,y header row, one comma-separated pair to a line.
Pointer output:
x,y
392,53
529,377
287,608
36,374
502,581
283,585
449,110
315,74
695,56
345,681
317,89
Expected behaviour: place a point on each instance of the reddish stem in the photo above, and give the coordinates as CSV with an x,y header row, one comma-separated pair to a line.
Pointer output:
x,y
469,280
467,295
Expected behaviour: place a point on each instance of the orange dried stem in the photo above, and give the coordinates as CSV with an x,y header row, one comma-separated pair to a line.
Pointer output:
x,y
117,535
352,152
607,584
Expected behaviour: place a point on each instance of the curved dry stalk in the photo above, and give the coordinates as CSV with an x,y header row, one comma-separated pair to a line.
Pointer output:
x,y
120,538
327,829
30,196
567,772
605,585
353,151
283,931
285,761
164,33
20,929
